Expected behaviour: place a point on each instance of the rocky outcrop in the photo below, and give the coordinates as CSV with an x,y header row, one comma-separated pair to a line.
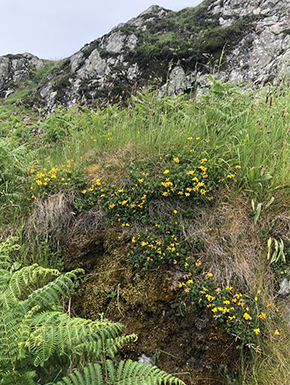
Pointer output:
x,y
15,69
263,54
240,41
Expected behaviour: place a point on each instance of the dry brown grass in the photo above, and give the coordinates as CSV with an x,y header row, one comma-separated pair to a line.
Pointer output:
x,y
54,217
232,247
51,216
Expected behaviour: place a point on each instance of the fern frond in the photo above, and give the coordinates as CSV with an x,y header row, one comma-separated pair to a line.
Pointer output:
x,y
48,296
135,373
128,373
24,332
8,331
94,348
15,378
92,375
53,332
21,282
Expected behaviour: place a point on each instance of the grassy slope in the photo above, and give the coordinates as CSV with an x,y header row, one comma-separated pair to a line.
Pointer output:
x,y
236,145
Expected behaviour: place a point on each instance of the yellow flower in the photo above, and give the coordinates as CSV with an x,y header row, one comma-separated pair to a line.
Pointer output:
x,y
84,191
53,170
229,288
112,206
230,176
276,333
209,274
257,331
140,180
190,138
190,281
176,160
124,202
175,212
39,182
166,172
165,194
238,166
190,172
247,316
197,138
262,316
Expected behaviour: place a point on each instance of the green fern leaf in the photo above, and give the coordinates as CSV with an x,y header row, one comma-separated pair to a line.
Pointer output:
x,y
8,331
94,348
135,373
48,296
15,378
54,332
128,373
92,375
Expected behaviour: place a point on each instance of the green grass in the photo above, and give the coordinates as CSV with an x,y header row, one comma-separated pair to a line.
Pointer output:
x,y
140,165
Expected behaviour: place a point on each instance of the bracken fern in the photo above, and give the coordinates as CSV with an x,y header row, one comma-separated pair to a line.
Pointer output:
x,y
39,340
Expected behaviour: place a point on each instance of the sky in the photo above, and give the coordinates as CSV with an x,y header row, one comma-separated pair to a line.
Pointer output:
x,y
55,29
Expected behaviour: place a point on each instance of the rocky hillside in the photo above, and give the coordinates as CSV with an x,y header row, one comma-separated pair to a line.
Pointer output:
x,y
242,41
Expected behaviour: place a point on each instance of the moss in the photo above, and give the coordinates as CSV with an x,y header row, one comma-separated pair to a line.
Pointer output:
x,y
152,305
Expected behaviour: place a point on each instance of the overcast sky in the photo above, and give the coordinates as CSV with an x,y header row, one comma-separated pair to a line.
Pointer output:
x,y
54,29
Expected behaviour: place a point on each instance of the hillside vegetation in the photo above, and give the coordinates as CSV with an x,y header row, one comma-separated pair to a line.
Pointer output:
x,y
196,185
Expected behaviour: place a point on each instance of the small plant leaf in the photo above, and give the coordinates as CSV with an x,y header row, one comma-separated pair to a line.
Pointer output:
x,y
258,212
269,248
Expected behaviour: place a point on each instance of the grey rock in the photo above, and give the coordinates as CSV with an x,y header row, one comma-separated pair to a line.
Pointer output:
x,y
143,359
284,287
4,70
76,60
115,42
94,66
16,68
